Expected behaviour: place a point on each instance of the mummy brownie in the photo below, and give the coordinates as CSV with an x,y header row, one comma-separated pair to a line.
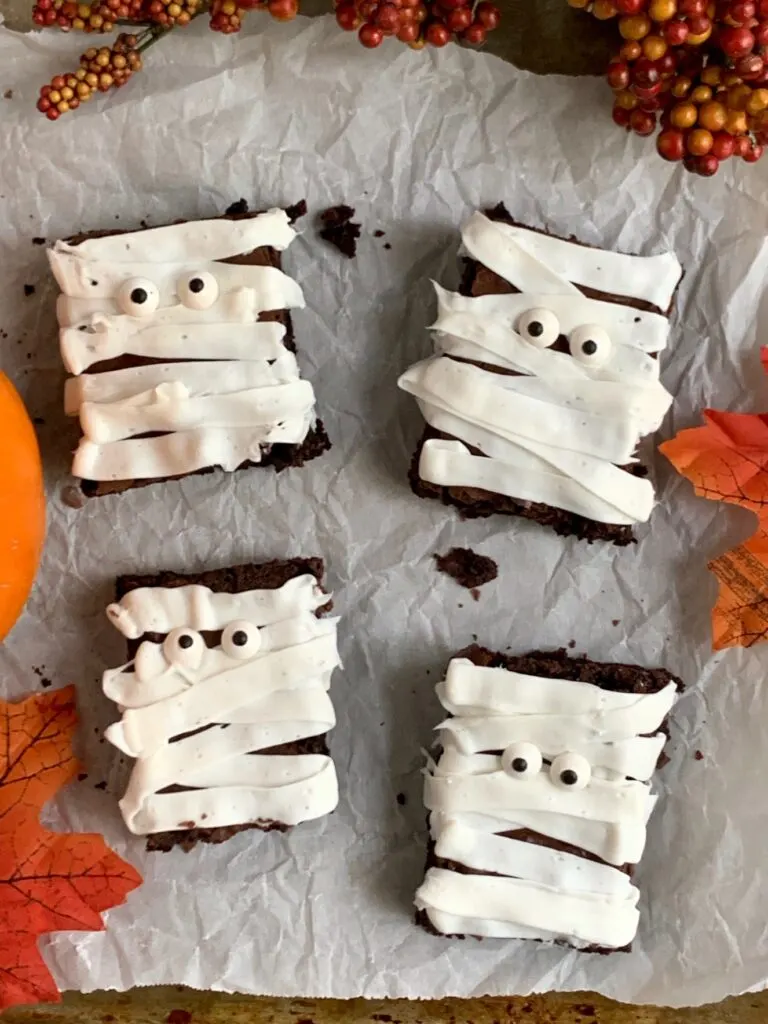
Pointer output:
x,y
181,344
539,799
544,380
224,702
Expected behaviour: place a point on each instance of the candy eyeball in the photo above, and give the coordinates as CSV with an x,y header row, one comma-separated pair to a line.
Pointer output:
x,y
590,345
240,639
570,771
197,290
138,297
184,648
521,760
539,326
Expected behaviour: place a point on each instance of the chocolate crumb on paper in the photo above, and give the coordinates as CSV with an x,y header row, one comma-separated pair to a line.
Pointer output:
x,y
379,233
698,755
8,94
29,289
297,211
468,568
37,240
401,799
340,230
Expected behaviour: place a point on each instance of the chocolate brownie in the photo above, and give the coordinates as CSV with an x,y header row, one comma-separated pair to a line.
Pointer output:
x,y
310,442
207,629
587,758
533,435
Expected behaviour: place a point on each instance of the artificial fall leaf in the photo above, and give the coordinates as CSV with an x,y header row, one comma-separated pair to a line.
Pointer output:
x,y
727,460
49,881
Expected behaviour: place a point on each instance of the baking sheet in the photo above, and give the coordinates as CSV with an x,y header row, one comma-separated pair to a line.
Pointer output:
x,y
414,142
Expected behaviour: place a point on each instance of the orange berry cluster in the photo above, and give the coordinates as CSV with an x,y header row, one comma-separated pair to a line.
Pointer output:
x,y
101,69
227,15
695,69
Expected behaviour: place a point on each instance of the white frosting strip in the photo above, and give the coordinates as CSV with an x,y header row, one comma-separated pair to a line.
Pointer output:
x,y
161,609
540,864
154,678
615,843
587,917
215,239
183,452
501,692
478,396
142,731
80,279
535,262
223,756
198,379
451,924
450,464
112,337
633,756
290,804
626,326
170,407
603,800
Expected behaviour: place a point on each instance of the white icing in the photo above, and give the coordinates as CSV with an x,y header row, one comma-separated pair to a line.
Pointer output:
x,y
501,855
271,287
524,477
132,295
265,685
589,918
183,452
160,609
198,378
170,407
502,692
635,757
589,754
195,240
523,257
559,433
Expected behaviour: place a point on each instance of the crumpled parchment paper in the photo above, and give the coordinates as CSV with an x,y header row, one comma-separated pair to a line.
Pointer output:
x,y
414,141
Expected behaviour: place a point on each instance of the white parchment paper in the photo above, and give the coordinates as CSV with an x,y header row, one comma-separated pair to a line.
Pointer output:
x,y
414,142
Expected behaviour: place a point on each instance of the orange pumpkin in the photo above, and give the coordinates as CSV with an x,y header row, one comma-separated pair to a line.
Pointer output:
x,y
22,506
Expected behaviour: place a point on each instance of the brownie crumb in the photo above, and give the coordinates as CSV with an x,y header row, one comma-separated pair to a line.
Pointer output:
x,y
379,233
475,592
73,497
401,799
698,755
469,569
297,210
8,94
615,622
100,785
178,1017
144,224
37,240
340,230
387,245
82,776
237,209
571,644
29,289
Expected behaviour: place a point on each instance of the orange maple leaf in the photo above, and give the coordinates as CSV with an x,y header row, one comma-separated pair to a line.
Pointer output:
x,y
49,881
727,460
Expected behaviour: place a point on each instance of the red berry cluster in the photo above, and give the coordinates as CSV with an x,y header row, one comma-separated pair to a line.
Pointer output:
x,y
227,15
417,23
695,69
100,70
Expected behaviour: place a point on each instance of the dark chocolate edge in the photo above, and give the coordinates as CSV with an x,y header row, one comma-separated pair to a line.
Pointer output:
x,y
562,522
230,580
280,456
557,664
